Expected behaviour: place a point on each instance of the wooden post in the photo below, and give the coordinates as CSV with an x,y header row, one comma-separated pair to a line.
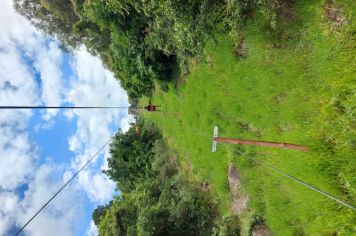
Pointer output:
x,y
261,143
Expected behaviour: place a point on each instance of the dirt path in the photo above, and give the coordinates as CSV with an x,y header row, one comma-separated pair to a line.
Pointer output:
x,y
239,199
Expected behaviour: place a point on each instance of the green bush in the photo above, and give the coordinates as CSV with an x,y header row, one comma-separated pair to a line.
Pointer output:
x,y
138,41
155,198
132,156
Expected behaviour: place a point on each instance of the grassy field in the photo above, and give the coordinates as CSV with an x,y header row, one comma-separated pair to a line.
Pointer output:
x,y
297,86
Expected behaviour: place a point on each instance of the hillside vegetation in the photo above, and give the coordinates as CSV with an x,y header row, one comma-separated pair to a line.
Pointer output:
x,y
142,41
155,198
296,86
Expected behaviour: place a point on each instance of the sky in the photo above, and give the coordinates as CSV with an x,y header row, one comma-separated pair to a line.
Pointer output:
x,y
40,150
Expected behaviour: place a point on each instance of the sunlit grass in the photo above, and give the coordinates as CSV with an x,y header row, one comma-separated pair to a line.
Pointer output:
x,y
303,93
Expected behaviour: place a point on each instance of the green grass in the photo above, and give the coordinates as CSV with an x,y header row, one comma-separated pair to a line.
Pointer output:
x,y
302,92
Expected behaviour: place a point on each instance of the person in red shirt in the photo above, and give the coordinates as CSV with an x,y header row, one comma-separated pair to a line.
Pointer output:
x,y
152,108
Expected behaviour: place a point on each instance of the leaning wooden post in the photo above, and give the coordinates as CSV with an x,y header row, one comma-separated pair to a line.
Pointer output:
x,y
254,142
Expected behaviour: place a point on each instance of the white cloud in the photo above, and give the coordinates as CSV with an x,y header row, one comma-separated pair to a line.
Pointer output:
x,y
17,155
47,62
9,205
19,38
16,158
19,167
99,188
16,83
92,85
58,217
93,230
14,28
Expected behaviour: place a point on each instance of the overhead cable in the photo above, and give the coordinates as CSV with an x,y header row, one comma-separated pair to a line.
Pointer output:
x,y
61,188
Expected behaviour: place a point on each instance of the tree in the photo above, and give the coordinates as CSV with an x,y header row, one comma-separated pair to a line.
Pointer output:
x,y
140,41
53,17
155,198
155,220
132,156
108,223
99,212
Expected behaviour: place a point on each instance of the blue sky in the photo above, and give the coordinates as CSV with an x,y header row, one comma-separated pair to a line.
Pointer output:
x,y
39,150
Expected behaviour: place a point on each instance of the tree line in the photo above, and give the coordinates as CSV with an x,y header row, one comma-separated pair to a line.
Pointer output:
x,y
155,198
143,41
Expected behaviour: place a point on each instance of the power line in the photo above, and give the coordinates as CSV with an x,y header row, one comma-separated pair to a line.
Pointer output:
x,y
87,163
289,176
61,107
302,182
63,186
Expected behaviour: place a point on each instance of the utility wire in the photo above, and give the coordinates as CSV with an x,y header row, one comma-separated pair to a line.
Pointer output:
x,y
288,176
302,182
87,163
197,133
63,186
305,184
61,107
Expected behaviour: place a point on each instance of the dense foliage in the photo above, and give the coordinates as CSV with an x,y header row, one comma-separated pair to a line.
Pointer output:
x,y
143,41
132,155
138,40
155,198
